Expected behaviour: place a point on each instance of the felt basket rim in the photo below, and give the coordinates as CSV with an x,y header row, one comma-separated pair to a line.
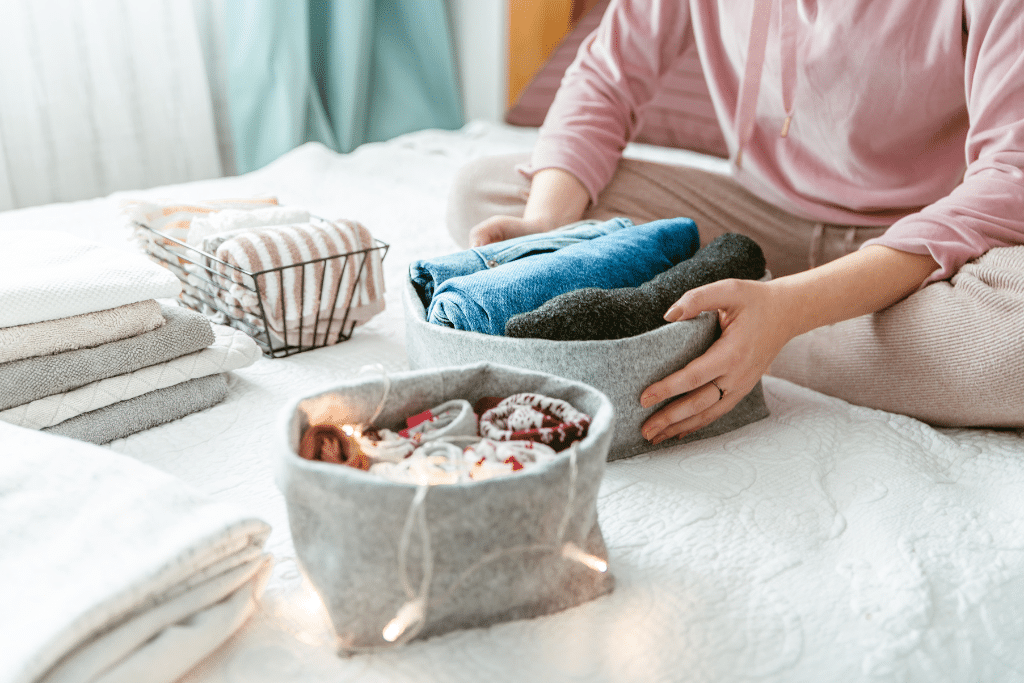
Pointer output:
x,y
602,421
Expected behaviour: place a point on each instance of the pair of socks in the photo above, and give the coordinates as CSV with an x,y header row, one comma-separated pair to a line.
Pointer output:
x,y
593,313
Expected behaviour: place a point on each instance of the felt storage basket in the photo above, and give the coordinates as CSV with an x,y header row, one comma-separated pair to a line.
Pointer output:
x,y
620,368
499,549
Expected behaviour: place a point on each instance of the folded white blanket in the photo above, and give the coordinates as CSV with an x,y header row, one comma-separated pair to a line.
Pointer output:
x,y
230,350
174,218
112,570
48,275
231,220
79,331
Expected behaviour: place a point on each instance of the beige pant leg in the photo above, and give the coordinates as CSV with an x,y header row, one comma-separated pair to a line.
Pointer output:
x,y
951,354
644,191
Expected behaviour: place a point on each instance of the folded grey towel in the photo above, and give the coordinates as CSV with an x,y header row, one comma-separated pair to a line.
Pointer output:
x,y
593,313
29,379
154,408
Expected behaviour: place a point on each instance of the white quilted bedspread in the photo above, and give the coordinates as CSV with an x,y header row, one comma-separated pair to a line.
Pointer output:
x,y
826,543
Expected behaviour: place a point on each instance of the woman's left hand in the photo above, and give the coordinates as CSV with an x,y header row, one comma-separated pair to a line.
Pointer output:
x,y
755,326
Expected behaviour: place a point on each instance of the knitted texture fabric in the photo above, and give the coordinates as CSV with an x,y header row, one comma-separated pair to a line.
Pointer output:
x,y
484,301
628,311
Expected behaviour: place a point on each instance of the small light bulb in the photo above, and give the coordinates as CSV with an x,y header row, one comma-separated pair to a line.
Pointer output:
x,y
410,613
571,551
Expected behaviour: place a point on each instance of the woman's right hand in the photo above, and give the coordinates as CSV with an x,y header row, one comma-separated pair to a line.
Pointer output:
x,y
556,198
501,228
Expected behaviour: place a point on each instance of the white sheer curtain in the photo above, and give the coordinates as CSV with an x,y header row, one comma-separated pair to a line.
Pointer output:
x,y
104,95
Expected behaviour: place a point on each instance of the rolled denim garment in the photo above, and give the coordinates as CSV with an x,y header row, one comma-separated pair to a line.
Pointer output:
x,y
485,300
427,275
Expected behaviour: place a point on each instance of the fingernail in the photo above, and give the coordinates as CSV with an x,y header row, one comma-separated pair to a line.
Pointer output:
x,y
645,401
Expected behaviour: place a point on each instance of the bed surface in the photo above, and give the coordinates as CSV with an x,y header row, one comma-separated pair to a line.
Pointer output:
x,y
827,542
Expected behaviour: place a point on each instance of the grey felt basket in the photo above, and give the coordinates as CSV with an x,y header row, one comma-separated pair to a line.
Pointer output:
x,y
347,524
620,368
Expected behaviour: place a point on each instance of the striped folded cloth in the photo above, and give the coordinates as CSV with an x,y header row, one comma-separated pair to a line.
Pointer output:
x,y
317,294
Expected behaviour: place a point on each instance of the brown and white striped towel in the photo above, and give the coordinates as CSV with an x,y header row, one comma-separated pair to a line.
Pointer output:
x,y
174,219
295,298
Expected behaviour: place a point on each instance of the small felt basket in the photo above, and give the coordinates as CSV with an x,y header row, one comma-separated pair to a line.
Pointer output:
x,y
452,556
620,368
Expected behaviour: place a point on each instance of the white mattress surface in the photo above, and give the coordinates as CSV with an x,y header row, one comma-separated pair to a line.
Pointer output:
x,y
826,543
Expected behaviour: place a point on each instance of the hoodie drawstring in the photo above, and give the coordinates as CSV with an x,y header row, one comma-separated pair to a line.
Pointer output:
x,y
746,106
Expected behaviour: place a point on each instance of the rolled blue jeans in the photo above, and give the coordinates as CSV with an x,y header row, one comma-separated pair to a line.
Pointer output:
x,y
428,275
484,301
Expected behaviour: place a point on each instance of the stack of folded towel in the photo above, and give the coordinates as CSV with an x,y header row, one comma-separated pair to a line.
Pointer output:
x,y
86,350
114,572
272,267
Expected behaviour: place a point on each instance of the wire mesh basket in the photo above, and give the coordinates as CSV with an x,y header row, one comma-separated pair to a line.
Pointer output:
x,y
213,287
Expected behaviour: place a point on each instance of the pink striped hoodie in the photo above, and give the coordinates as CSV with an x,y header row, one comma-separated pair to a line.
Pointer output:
x,y
907,113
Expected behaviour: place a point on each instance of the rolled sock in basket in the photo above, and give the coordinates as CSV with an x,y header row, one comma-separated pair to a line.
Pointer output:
x,y
484,301
317,294
32,378
79,331
143,412
427,275
628,311
230,350
532,417
49,275
451,418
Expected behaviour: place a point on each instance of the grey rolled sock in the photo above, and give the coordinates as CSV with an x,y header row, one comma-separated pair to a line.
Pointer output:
x,y
618,313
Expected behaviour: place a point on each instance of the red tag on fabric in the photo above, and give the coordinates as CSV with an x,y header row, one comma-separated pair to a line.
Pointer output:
x,y
411,422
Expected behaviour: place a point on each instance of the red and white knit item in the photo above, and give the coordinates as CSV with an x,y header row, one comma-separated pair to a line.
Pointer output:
x,y
533,417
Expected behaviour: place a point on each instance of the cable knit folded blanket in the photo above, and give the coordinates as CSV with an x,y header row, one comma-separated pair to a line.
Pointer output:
x,y
79,331
316,294
112,570
29,379
153,408
230,350
485,300
49,275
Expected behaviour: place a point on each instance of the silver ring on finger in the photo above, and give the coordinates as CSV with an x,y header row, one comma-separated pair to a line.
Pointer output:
x,y
721,392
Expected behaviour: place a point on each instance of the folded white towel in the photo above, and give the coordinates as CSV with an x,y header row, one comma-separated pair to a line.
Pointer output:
x,y
230,350
231,220
48,275
112,570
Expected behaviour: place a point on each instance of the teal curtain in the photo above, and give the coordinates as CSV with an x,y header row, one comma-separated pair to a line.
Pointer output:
x,y
340,72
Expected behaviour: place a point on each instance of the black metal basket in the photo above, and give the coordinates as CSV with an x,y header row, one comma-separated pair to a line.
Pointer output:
x,y
201,293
